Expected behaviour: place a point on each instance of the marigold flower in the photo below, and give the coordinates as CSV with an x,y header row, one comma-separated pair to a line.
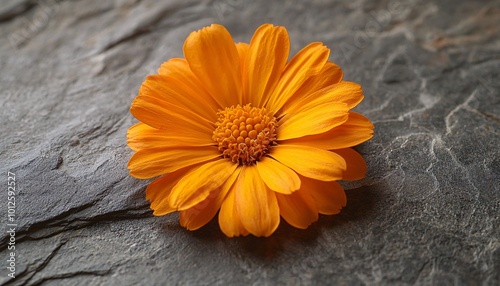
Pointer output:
x,y
240,130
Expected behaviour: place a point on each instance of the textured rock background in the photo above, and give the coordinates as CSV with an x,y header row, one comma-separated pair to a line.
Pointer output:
x,y
428,211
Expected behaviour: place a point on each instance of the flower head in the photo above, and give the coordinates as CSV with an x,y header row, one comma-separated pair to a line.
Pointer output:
x,y
240,130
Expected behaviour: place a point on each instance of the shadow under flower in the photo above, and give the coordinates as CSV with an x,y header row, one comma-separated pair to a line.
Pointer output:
x,y
360,206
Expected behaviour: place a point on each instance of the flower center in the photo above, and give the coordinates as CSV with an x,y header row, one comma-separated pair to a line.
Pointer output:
x,y
245,134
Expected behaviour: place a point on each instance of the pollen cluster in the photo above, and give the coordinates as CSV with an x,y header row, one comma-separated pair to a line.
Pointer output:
x,y
244,134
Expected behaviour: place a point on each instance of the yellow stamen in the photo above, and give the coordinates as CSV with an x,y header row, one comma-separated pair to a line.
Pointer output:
x,y
245,134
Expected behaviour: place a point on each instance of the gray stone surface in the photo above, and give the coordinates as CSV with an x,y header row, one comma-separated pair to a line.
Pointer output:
x,y
426,213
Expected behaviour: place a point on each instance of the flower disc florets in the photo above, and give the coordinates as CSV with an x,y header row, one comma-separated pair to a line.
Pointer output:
x,y
245,134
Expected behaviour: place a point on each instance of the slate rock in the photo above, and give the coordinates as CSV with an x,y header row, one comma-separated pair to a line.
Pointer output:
x,y
426,213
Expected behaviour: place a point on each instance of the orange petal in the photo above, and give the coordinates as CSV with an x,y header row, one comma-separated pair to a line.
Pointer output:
x,y
159,190
298,209
196,186
255,203
356,165
356,130
229,219
345,92
243,52
213,58
315,120
242,49
142,136
330,74
277,176
306,63
199,215
310,162
329,196
149,163
177,67
165,115
178,85
266,59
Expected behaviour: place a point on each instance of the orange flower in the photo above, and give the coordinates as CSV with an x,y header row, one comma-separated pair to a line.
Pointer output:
x,y
236,128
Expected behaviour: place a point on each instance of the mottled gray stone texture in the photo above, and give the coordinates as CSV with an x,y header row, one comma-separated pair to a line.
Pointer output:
x,y
428,211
